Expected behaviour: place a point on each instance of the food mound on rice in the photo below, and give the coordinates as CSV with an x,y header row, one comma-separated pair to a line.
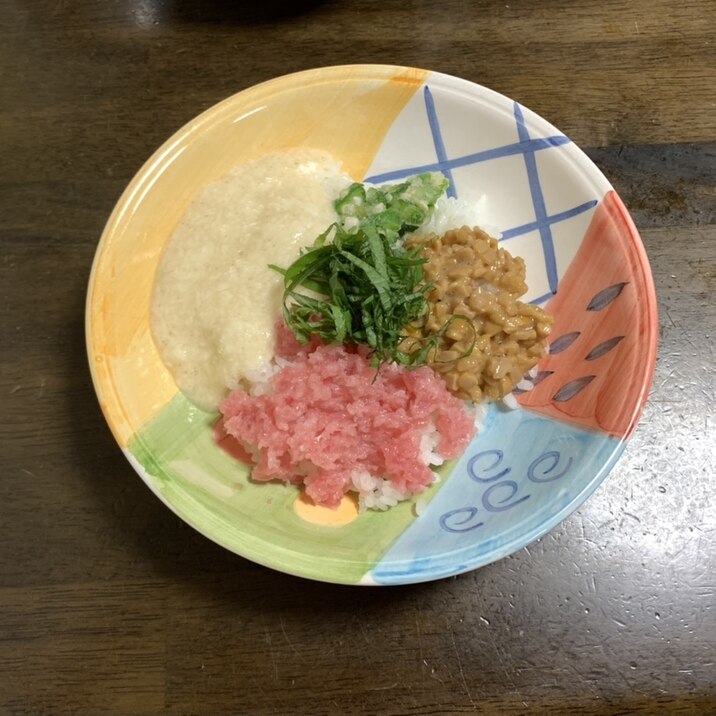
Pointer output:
x,y
324,418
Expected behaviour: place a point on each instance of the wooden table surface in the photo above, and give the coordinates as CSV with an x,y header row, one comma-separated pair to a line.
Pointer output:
x,y
109,604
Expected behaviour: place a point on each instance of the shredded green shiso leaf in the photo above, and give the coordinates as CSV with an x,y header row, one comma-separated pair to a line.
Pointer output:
x,y
358,283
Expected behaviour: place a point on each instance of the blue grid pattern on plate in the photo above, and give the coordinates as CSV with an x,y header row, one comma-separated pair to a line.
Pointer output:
x,y
527,146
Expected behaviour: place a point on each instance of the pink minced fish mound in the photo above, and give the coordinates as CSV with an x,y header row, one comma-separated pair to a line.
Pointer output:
x,y
327,414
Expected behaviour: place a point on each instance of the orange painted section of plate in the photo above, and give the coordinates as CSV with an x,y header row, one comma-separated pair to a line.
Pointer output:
x,y
614,389
345,513
345,111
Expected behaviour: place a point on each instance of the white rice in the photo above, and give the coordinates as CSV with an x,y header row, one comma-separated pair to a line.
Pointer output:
x,y
375,493
258,380
451,213
428,448
481,410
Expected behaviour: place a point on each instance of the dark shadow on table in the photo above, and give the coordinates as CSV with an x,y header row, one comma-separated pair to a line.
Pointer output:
x,y
236,12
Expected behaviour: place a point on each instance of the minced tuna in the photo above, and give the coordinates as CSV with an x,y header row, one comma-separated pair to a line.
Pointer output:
x,y
326,416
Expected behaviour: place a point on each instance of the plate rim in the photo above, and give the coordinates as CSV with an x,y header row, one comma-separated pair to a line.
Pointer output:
x,y
367,72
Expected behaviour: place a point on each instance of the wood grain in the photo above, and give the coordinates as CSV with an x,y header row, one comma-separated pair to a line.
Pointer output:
x,y
110,604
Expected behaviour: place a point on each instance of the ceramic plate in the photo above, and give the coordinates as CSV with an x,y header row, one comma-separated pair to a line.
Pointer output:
x,y
529,468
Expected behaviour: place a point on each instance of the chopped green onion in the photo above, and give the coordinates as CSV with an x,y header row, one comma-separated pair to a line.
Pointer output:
x,y
358,283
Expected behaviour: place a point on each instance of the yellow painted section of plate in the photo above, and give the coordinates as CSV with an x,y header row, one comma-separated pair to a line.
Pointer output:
x,y
345,111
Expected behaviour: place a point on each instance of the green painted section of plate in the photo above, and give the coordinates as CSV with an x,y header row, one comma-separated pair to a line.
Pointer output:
x,y
213,493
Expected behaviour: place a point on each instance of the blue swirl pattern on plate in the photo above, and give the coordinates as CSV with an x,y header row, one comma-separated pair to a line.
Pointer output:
x,y
498,499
